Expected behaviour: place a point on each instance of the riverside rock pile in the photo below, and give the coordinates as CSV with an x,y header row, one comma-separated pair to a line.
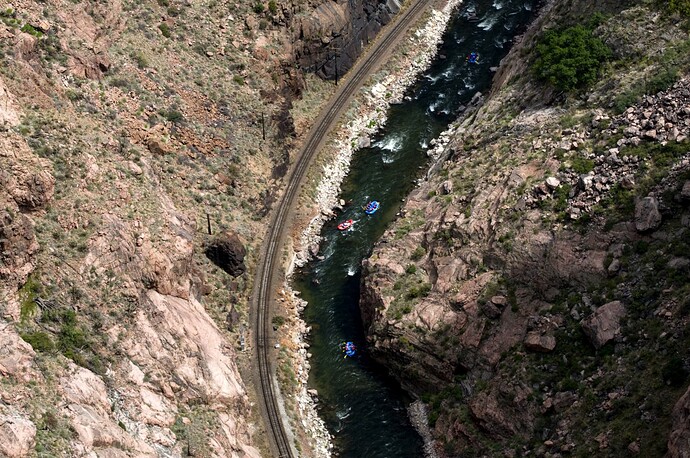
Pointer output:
x,y
306,402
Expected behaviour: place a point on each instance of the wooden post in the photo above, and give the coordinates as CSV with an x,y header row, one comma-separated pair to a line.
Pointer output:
x,y
208,222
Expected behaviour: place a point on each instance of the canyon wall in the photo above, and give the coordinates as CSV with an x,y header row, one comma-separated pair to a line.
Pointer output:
x,y
332,36
533,292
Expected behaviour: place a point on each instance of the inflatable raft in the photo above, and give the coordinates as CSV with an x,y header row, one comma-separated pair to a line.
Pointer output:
x,y
349,349
371,207
345,225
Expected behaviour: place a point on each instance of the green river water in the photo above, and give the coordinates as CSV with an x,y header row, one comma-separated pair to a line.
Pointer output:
x,y
362,406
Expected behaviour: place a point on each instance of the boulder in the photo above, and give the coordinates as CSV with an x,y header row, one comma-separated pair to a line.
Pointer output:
x,y
604,324
614,267
447,187
585,182
363,142
628,182
227,252
563,400
650,134
535,341
490,310
647,215
553,182
499,301
156,147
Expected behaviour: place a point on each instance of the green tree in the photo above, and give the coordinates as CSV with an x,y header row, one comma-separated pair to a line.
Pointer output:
x,y
570,58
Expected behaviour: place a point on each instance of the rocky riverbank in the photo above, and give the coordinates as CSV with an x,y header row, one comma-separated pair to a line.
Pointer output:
x,y
387,87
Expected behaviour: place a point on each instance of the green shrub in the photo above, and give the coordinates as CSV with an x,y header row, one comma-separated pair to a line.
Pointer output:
x,y
71,338
258,7
628,98
173,116
421,290
140,59
278,321
570,58
273,7
418,253
679,6
28,28
39,341
662,79
165,30
28,295
582,165
674,373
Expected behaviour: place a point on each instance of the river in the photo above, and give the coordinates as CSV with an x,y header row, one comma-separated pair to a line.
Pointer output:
x,y
362,406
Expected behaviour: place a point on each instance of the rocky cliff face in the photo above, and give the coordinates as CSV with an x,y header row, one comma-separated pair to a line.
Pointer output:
x,y
330,37
124,126
538,273
131,317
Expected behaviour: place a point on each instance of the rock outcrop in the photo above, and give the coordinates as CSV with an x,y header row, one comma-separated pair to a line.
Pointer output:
x,y
25,186
106,347
16,356
227,252
330,39
647,215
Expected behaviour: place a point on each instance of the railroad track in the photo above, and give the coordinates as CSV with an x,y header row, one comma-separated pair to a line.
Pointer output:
x,y
267,272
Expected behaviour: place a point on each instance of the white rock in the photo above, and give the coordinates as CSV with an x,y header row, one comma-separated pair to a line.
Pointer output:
x,y
553,182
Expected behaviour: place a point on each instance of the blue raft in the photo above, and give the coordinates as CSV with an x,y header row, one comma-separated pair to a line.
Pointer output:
x,y
371,207
349,349
473,58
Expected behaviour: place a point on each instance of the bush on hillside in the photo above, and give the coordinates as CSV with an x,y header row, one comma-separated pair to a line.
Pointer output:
x,y
679,6
570,58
